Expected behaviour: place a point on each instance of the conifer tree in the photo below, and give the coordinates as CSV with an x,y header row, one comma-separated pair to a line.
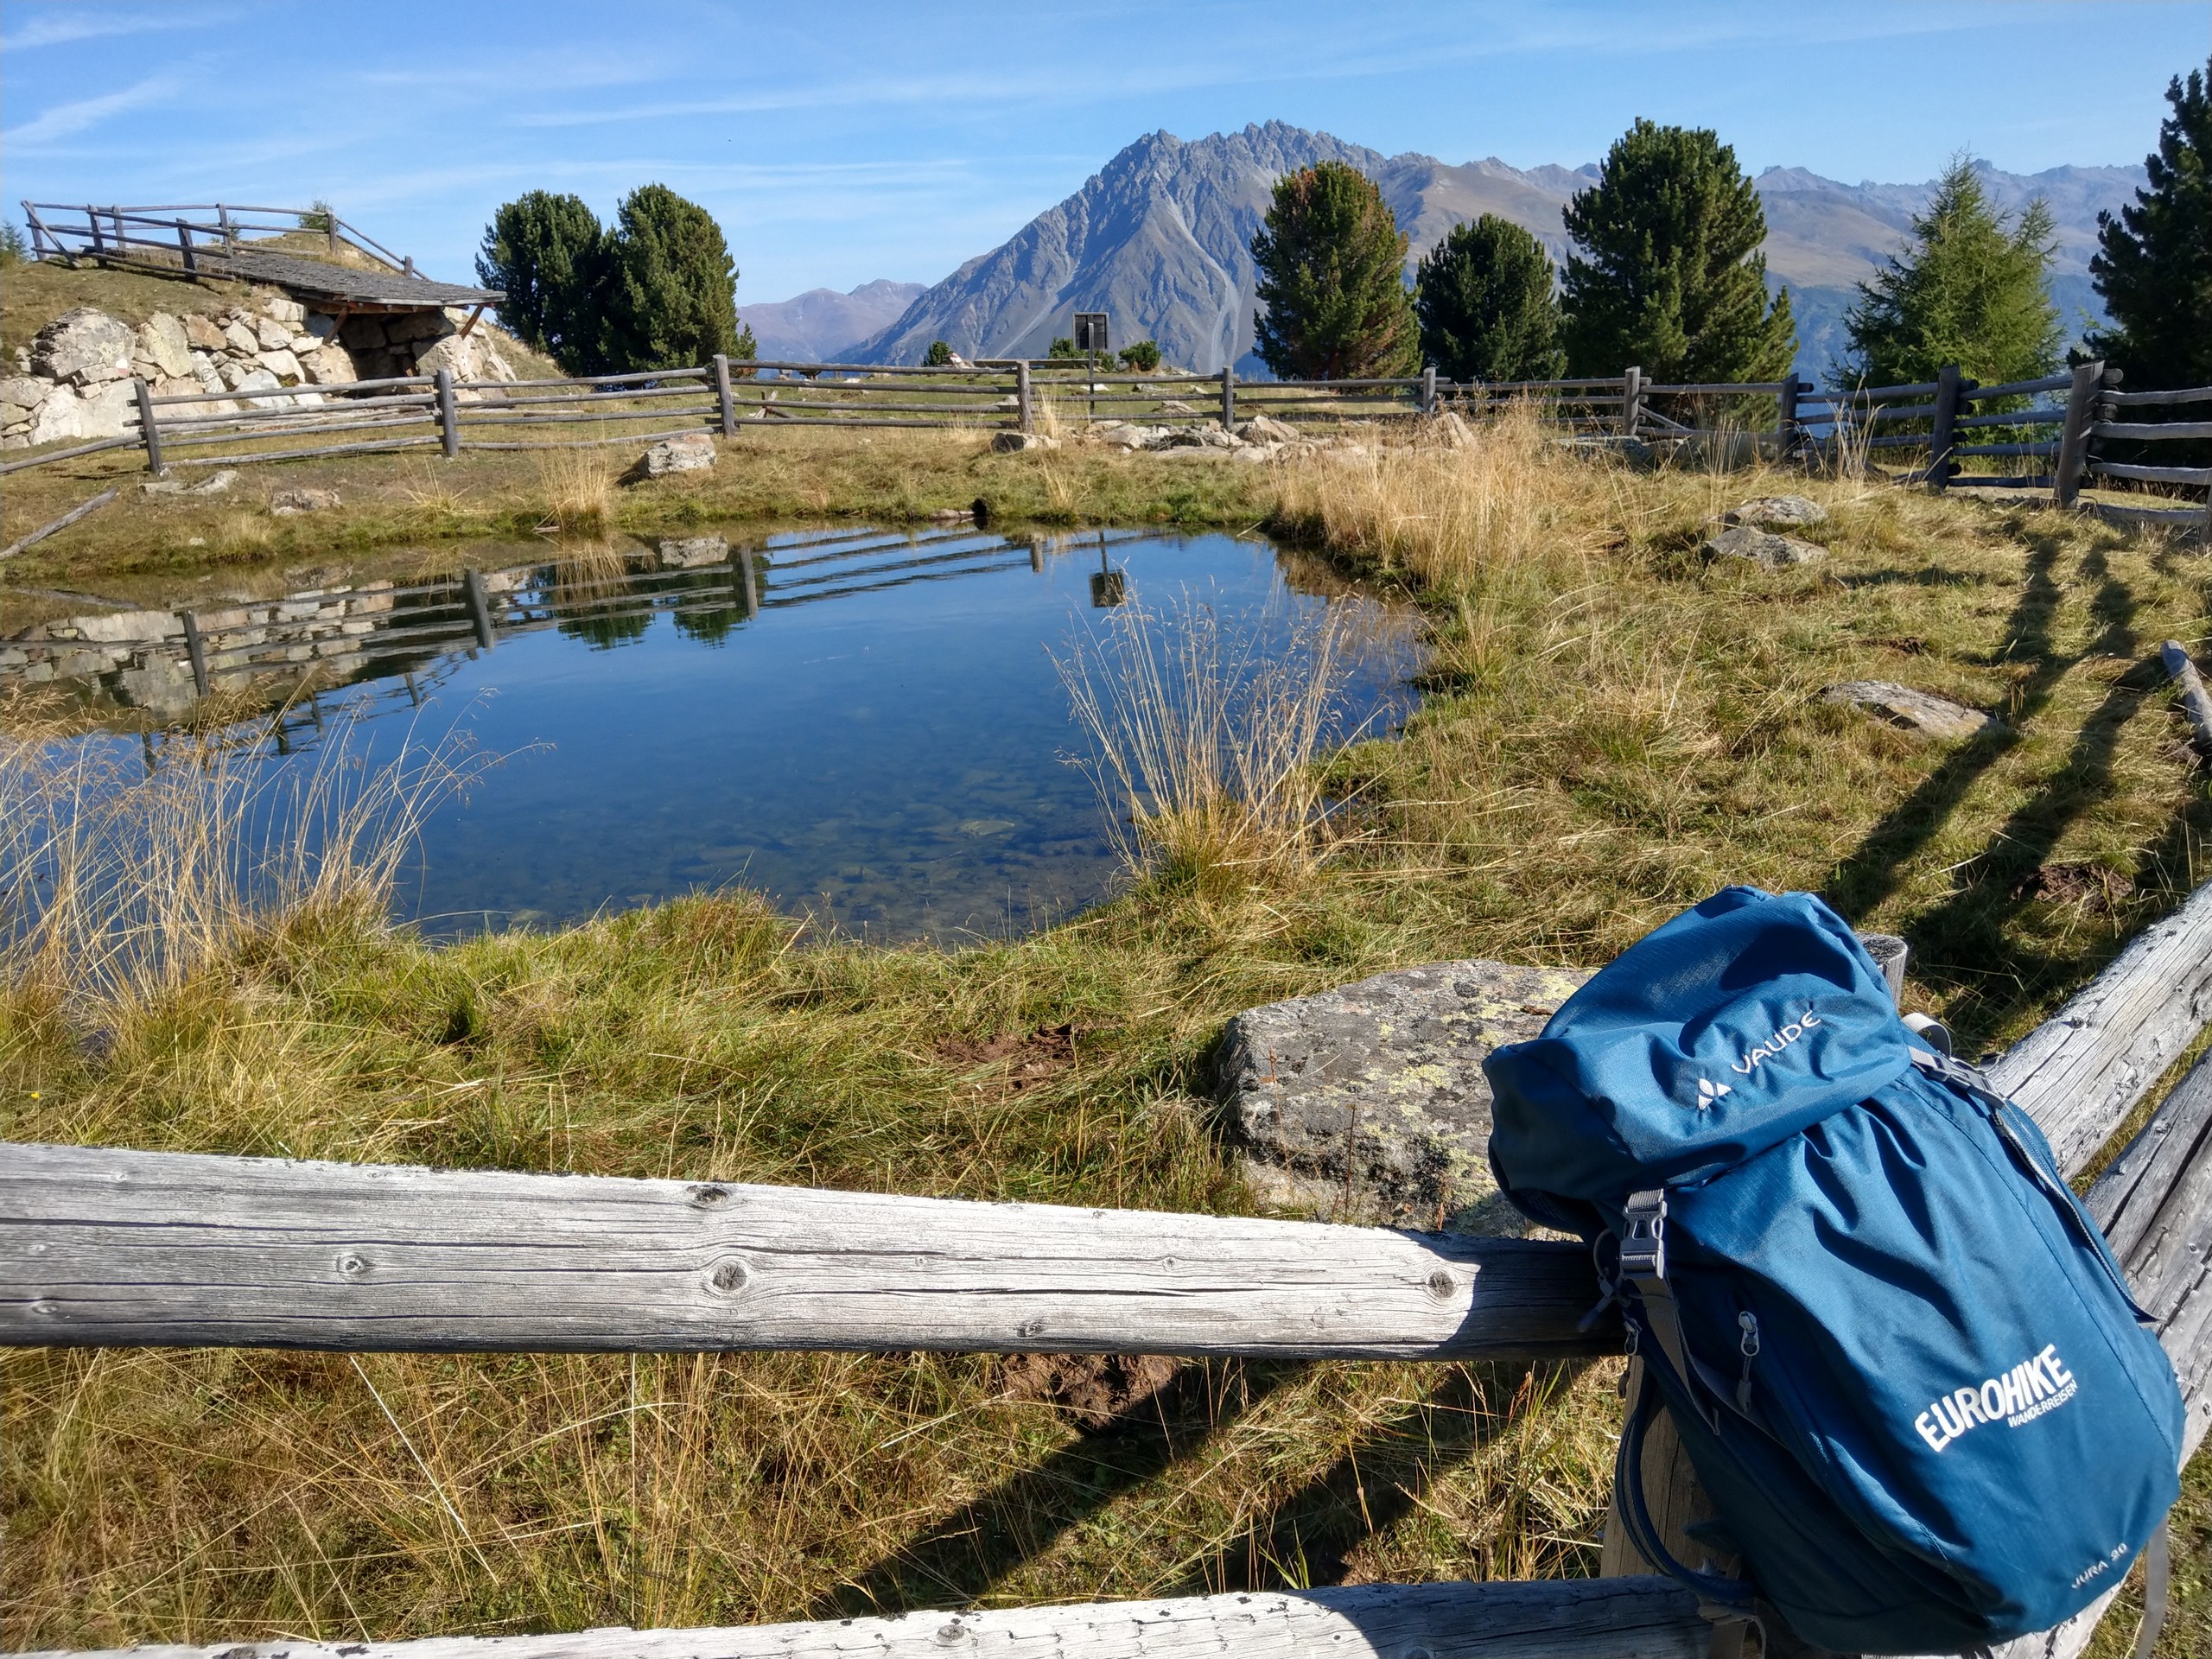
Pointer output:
x,y
671,286
2153,266
547,254
1331,276
1967,288
1669,275
1484,295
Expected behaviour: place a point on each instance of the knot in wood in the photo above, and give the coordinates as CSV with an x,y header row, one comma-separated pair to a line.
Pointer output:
x,y
352,1266
951,1633
728,1275
706,1198
1440,1286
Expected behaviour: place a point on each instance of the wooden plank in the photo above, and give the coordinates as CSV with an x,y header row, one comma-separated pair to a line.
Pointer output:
x,y
2080,1073
2021,388
1566,1618
2200,475
2152,429
81,509
2155,399
2174,656
117,1248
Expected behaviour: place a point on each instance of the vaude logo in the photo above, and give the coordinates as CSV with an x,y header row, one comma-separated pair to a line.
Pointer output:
x,y
1762,1052
1708,1091
2016,1399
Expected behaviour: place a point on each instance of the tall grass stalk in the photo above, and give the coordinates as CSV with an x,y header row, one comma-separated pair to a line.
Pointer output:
x,y
123,869
1205,738
578,488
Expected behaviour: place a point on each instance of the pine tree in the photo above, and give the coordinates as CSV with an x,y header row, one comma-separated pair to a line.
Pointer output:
x,y
1669,276
938,356
1484,295
1965,288
547,254
1332,263
2153,266
671,288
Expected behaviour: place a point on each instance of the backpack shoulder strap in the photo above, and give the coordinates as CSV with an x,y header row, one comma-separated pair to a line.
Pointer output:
x,y
1644,1268
1635,1516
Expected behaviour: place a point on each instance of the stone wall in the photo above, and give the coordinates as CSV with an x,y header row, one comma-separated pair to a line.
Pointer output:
x,y
73,382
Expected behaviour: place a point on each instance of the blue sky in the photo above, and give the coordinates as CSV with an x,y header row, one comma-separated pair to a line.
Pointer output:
x,y
839,142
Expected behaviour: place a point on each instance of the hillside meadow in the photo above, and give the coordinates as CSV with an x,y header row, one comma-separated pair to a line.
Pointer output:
x,y
1614,726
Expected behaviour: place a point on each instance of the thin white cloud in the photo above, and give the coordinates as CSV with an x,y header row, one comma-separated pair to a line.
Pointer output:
x,y
80,23
64,120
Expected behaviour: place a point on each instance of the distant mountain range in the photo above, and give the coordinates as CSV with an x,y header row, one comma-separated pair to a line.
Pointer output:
x,y
1159,239
822,326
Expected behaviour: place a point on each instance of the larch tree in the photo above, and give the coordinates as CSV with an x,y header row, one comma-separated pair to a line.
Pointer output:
x,y
1666,272
1968,288
1484,295
1331,279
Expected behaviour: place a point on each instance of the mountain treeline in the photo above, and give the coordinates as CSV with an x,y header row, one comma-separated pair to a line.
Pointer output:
x,y
1666,273
658,290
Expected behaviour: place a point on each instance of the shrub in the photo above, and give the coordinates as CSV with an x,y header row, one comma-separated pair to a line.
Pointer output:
x,y
1484,295
13,247
1332,264
1141,357
1062,349
938,355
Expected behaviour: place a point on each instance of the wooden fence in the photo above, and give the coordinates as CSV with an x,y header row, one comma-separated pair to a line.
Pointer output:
x,y
108,1248
1941,419
183,237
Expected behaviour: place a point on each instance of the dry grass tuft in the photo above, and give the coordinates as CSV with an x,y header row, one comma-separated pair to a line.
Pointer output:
x,y
577,486
1204,739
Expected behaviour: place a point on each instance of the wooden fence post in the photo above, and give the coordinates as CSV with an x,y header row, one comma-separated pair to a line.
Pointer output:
x,y
196,649
1228,397
1942,439
724,396
330,230
150,430
1023,400
479,607
1428,390
1632,400
184,248
1785,415
2073,437
449,421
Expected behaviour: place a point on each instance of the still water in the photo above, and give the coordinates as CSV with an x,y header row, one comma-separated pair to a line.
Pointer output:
x,y
868,726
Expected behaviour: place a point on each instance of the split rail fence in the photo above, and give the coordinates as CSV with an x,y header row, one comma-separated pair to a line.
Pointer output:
x,y
100,1247
2062,445
168,238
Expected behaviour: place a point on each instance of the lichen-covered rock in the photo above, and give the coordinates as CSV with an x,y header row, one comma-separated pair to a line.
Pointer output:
x,y
1368,1103
692,453
1919,711
1007,443
162,339
1770,512
287,504
1265,429
1763,547
85,347
689,552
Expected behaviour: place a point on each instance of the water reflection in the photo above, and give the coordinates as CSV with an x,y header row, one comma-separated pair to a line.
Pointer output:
x,y
697,712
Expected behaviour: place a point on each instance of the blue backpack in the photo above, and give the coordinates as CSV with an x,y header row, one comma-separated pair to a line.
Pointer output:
x,y
1899,1355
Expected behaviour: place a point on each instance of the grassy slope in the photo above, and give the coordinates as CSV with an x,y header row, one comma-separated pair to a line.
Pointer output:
x,y
1613,730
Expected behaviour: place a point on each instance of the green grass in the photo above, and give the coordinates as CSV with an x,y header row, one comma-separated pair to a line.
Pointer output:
x,y
1612,730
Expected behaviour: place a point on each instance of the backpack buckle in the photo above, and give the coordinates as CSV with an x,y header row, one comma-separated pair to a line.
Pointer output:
x,y
1644,1240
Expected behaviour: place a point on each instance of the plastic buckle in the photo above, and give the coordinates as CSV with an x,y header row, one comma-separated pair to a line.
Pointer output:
x,y
1644,1245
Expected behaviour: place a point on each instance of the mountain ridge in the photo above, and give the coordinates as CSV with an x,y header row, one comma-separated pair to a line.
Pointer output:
x,y
1160,239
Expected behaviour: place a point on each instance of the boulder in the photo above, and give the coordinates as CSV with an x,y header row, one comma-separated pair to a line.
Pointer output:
x,y
203,334
416,325
162,337
20,395
1009,443
692,453
57,418
690,552
1763,547
240,340
217,483
1265,429
290,504
107,412
1368,1102
270,334
1918,711
1770,512
284,310
331,366
1201,437
1449,431
469,359
323,326
1177,406
362,332
85,347
281,364
129,627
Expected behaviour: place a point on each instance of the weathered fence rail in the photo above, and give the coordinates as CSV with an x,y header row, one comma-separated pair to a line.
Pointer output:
x,y
181,237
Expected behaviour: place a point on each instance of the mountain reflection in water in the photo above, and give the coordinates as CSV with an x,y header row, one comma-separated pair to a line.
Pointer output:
x,y
697,715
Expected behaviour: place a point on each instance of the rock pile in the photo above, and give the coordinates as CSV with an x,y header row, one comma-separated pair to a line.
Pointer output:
x,y
74,380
